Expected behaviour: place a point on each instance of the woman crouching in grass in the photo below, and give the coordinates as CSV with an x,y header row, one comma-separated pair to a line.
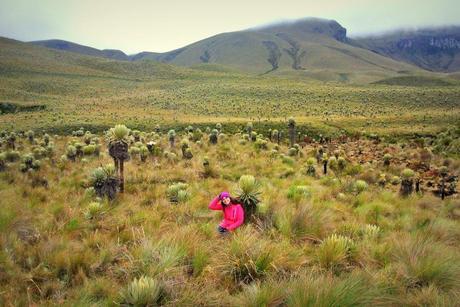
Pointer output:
x,y
233,212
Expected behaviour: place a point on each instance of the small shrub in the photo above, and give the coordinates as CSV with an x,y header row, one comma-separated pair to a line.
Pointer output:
x,y
311,171
333,163
89,150
71,152
248,194
292,152
214,136
297,193
29,163
104,181
261,144
2,161
387,159
360,186
12,156
94,210
143,153
342,163
177,193
407,182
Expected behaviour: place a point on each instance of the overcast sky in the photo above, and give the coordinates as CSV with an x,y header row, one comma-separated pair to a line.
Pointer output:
x,y
151,25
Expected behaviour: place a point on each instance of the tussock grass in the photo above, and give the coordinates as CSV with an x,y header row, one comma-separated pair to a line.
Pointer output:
x,y
323,290
422,263
313,241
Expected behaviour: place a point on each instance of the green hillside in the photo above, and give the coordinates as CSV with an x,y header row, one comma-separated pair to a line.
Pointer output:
x,y
77,48
305,45
66,91
23,58
310,47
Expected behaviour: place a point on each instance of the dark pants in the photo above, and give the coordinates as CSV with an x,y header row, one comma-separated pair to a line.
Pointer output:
x,y
222,230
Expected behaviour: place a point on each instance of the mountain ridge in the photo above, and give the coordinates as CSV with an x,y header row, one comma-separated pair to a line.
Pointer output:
x,y
306,45
434,49
64,45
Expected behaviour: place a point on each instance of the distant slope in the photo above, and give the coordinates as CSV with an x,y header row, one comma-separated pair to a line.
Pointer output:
x,y
23,58
303,45
435,49
145,55
81,49
313,48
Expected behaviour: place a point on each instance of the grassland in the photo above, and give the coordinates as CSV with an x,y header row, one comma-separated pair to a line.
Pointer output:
x,y
340,238
345,238
206,97
73,102
83,91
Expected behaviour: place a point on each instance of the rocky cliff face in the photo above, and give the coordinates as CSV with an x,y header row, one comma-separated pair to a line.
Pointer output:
x,y
429,44
432,49
338,32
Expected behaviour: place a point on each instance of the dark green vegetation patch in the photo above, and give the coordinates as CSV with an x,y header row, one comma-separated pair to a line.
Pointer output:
x,y
9,107
419,81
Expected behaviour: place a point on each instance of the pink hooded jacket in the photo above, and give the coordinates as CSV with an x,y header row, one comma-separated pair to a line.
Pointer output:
x,y
233,214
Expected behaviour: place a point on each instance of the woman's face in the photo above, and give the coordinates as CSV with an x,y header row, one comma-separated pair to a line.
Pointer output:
x,y
226,200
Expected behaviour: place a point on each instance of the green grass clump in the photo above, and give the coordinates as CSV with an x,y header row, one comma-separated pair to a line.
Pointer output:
x,y
94,210
334,252
248,259
352,290
305,222
298,192
261,294
177,193
371,231
144,291
421,263
199,261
